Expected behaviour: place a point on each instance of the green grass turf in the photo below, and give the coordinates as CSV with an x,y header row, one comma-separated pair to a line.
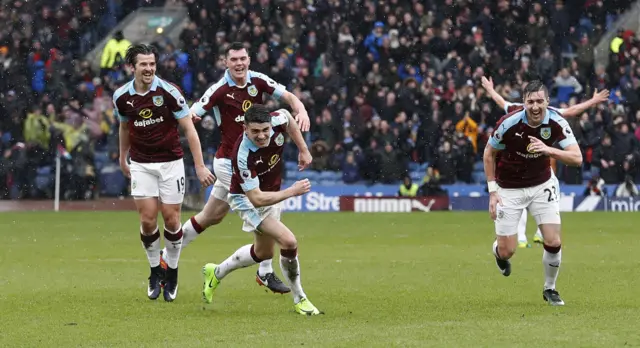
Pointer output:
x,y
414,280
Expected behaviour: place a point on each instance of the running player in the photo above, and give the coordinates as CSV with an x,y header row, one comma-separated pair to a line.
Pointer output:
x,y
150,110
572,111
255,194
229,99
523,179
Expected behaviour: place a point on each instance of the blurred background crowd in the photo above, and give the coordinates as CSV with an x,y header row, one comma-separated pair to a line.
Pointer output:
x,y
392,87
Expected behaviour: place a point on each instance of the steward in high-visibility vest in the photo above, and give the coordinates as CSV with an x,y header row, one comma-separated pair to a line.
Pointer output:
x,y
114,51
408,188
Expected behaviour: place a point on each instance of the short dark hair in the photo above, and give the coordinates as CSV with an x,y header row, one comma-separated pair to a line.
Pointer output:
x,y
533,87
258,113
235,46
134,50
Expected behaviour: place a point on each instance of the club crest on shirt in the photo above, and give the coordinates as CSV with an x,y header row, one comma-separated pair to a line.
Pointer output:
x,y
252,90
158,100
280,139
545,133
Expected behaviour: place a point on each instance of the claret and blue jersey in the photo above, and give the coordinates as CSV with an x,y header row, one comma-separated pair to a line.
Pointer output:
x,y
519,166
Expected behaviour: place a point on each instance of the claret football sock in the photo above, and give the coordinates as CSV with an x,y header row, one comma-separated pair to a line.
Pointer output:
x,y
151,245
173,245
190,230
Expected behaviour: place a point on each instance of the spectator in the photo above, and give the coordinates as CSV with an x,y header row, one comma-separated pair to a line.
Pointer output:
x,y
404,73
627,189
114,52
408,188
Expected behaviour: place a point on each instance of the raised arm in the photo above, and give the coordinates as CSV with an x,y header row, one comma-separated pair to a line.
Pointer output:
x,y
576,110
487,84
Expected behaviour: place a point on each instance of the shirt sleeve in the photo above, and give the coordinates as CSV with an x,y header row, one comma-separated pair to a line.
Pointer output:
x,y
177,104
511,107
117,113
207,101
267,85
280,118
566,137
497,137
248,177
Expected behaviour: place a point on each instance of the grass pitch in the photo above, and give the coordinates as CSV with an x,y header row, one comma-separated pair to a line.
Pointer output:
x,y
403,280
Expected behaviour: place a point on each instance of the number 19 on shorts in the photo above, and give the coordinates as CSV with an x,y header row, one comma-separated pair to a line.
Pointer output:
x,y
180,184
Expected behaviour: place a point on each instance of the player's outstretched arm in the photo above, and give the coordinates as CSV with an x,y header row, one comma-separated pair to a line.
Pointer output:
x,y
125,144
576,110
487,84
261,198
298,110
204,175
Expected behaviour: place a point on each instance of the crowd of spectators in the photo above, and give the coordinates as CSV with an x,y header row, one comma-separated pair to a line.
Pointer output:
x,y
386,83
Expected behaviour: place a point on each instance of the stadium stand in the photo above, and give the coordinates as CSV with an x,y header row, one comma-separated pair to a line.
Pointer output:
x,y
392,88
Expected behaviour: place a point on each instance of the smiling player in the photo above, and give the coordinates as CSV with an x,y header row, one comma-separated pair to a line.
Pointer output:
x,y
255,195
508,107
229,99
150,110
522,179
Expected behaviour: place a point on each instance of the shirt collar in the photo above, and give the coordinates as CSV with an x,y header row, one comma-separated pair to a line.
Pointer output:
x,y
230,82
545,121
154,86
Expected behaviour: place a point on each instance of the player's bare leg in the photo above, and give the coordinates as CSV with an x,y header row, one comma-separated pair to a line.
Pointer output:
x,y
212,214
150,237
522,231
503,249
289,262
173,236
244,257
551,260
270,231
537,238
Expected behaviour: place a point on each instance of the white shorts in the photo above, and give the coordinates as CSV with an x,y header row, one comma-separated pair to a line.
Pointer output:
x,y
164,180
542,201
251,215
222,170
